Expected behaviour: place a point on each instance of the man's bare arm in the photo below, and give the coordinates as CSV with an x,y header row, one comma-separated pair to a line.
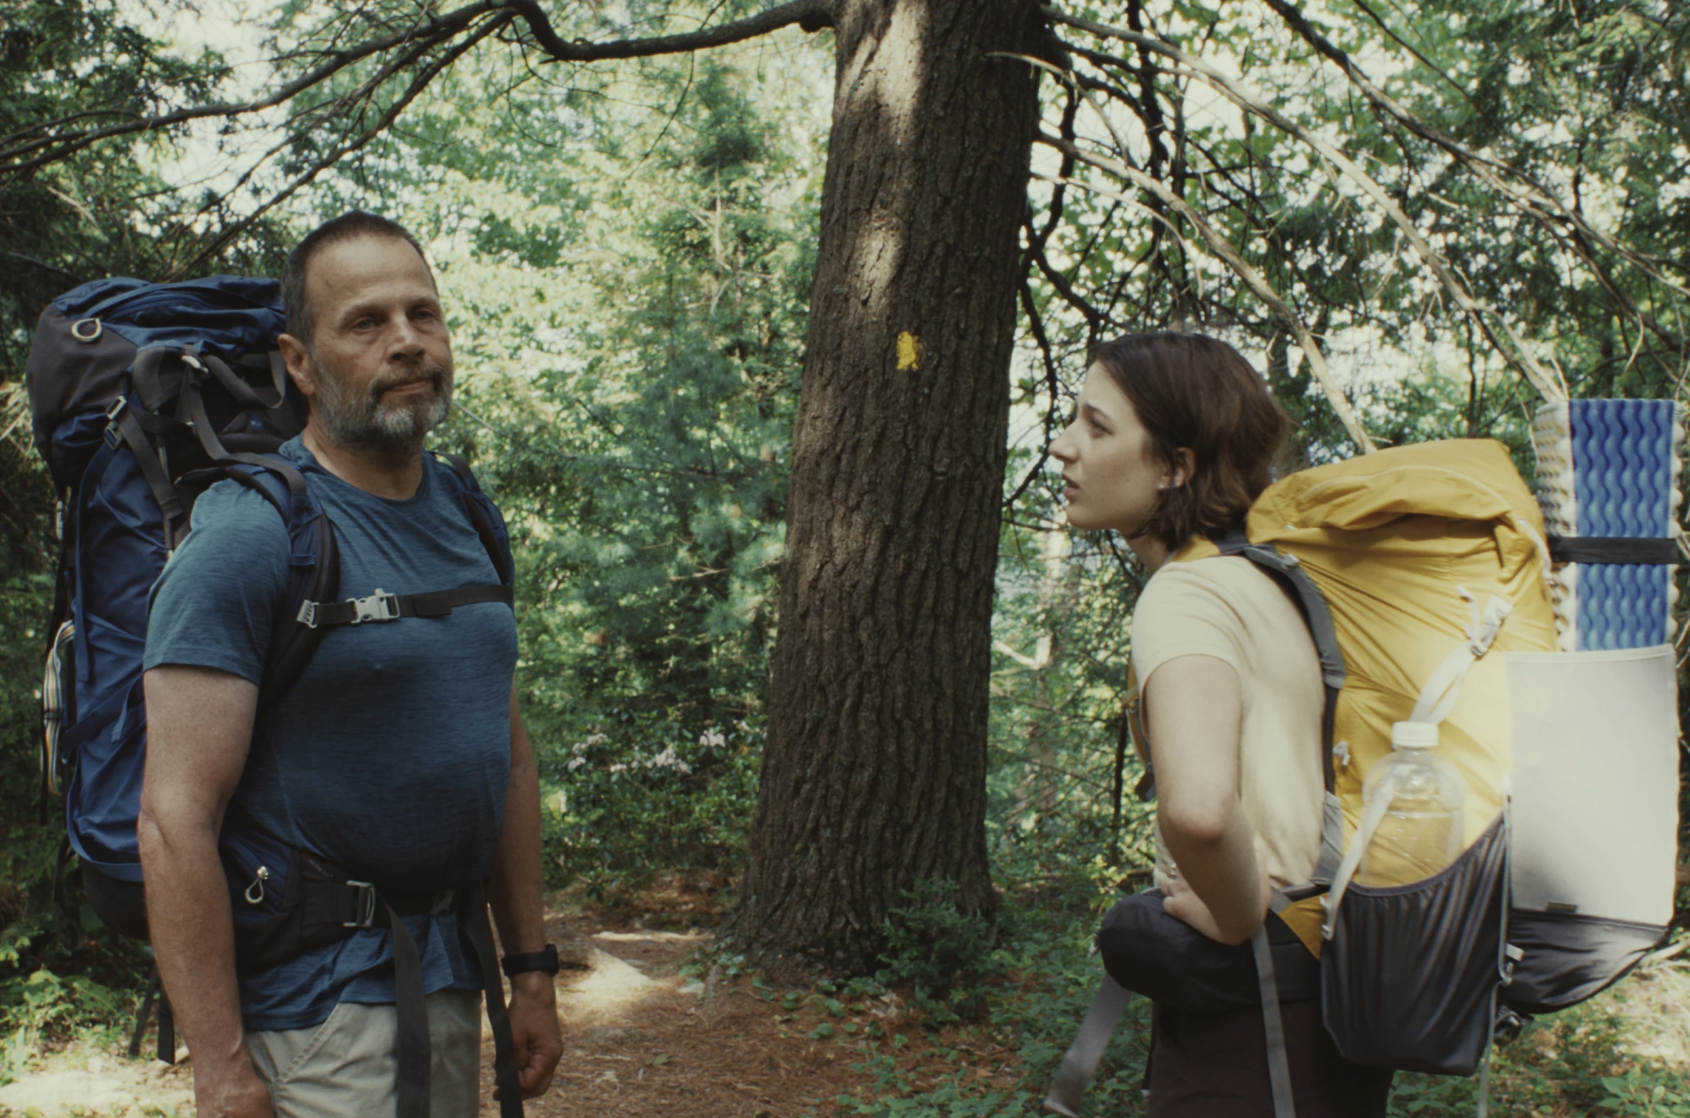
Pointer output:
x,y
199,727
514,894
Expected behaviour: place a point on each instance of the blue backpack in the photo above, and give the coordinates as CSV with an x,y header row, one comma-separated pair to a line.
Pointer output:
x,y
142,396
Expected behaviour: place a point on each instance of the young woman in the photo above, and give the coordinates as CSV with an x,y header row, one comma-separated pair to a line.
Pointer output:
x,y
1173,437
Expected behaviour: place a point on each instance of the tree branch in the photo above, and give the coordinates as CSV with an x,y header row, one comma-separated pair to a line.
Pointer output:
x,y
56,147
1536,201
1233,259
1053,383
418,84
21,155
811,15
1513,350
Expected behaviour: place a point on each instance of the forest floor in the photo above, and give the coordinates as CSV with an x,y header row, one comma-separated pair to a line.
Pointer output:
x,y
640,1036
653,1024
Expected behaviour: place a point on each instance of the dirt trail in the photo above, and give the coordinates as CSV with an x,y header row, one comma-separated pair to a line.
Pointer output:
x,y
640,1038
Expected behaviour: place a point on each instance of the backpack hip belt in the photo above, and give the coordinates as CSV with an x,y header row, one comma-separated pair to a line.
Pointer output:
x,y
330,904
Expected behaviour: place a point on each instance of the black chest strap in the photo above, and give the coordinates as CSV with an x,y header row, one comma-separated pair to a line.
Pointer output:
x,y
382,606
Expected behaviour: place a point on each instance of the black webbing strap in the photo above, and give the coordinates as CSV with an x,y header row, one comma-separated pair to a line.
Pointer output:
x,y
391,607
243,393
412,1057
477,930
1587,549
1289,573
502,561
151,391
166,1029
155,997
365,906
128,426
144,1014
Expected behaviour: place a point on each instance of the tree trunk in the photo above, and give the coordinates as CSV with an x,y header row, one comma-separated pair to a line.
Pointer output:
x,y
874,771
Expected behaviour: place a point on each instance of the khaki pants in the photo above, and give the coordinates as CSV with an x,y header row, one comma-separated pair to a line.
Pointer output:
x,y
344,1068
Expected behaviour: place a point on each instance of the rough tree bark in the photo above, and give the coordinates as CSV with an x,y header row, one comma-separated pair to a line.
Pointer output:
x,y
874,770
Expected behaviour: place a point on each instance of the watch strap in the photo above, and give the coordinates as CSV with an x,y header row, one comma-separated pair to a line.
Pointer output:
x,y
544,960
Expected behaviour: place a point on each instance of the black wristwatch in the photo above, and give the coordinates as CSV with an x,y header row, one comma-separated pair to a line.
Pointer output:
x,y
545,960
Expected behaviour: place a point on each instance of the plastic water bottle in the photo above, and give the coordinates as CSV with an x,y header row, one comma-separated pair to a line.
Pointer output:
x,y
1421,832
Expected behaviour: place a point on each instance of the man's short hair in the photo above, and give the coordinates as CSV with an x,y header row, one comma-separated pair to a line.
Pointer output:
x,y
301,319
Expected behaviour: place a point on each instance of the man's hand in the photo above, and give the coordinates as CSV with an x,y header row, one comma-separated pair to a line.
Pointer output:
x,y
235,1093
535,1031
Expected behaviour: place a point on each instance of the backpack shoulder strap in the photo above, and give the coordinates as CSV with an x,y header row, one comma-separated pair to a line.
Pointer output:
x,y
313,565
1284,569
483,514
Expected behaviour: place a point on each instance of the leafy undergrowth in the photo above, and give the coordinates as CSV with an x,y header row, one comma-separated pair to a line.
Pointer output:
x,y
1625,1052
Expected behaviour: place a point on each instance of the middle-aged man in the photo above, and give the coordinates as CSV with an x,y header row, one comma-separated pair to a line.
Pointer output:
x,y
398,755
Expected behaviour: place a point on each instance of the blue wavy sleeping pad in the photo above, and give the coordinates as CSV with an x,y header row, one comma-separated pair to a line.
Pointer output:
x,y
1608,469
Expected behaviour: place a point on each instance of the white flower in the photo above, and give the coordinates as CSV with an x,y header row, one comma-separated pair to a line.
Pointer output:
x,y
668,760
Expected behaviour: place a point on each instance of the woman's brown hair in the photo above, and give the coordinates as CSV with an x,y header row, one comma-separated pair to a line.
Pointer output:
x,y
1198,393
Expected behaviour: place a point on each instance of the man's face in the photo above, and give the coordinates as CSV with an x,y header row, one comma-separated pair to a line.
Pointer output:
x,y
378,370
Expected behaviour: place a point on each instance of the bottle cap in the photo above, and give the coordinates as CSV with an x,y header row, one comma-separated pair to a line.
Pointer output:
x,y
1414,735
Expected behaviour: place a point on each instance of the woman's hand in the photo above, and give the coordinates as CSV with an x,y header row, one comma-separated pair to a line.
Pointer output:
x,y
1182,902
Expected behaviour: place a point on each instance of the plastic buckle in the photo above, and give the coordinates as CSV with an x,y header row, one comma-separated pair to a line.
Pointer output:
x,y
111,436
307,615
380,606
365,905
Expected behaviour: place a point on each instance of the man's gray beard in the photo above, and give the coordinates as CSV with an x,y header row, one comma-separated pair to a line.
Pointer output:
x,y
363,421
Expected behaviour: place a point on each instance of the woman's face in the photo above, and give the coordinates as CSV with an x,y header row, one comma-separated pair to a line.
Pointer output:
x,y
1111,478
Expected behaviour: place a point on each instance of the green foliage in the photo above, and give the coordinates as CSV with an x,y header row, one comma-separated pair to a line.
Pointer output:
x,y
1646,1094
47,1007
1047,980
643,779
26,847
1567,1063
944,954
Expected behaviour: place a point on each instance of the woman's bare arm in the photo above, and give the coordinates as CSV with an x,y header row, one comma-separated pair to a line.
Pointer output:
x,y
1192,714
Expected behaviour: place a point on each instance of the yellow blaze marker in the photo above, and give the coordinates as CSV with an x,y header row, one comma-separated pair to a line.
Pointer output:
x,y
909,351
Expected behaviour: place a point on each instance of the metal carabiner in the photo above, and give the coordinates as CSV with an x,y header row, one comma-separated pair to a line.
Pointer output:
x,y
257,885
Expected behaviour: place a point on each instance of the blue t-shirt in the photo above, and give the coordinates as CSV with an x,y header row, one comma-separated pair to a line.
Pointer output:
x,y
391,754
